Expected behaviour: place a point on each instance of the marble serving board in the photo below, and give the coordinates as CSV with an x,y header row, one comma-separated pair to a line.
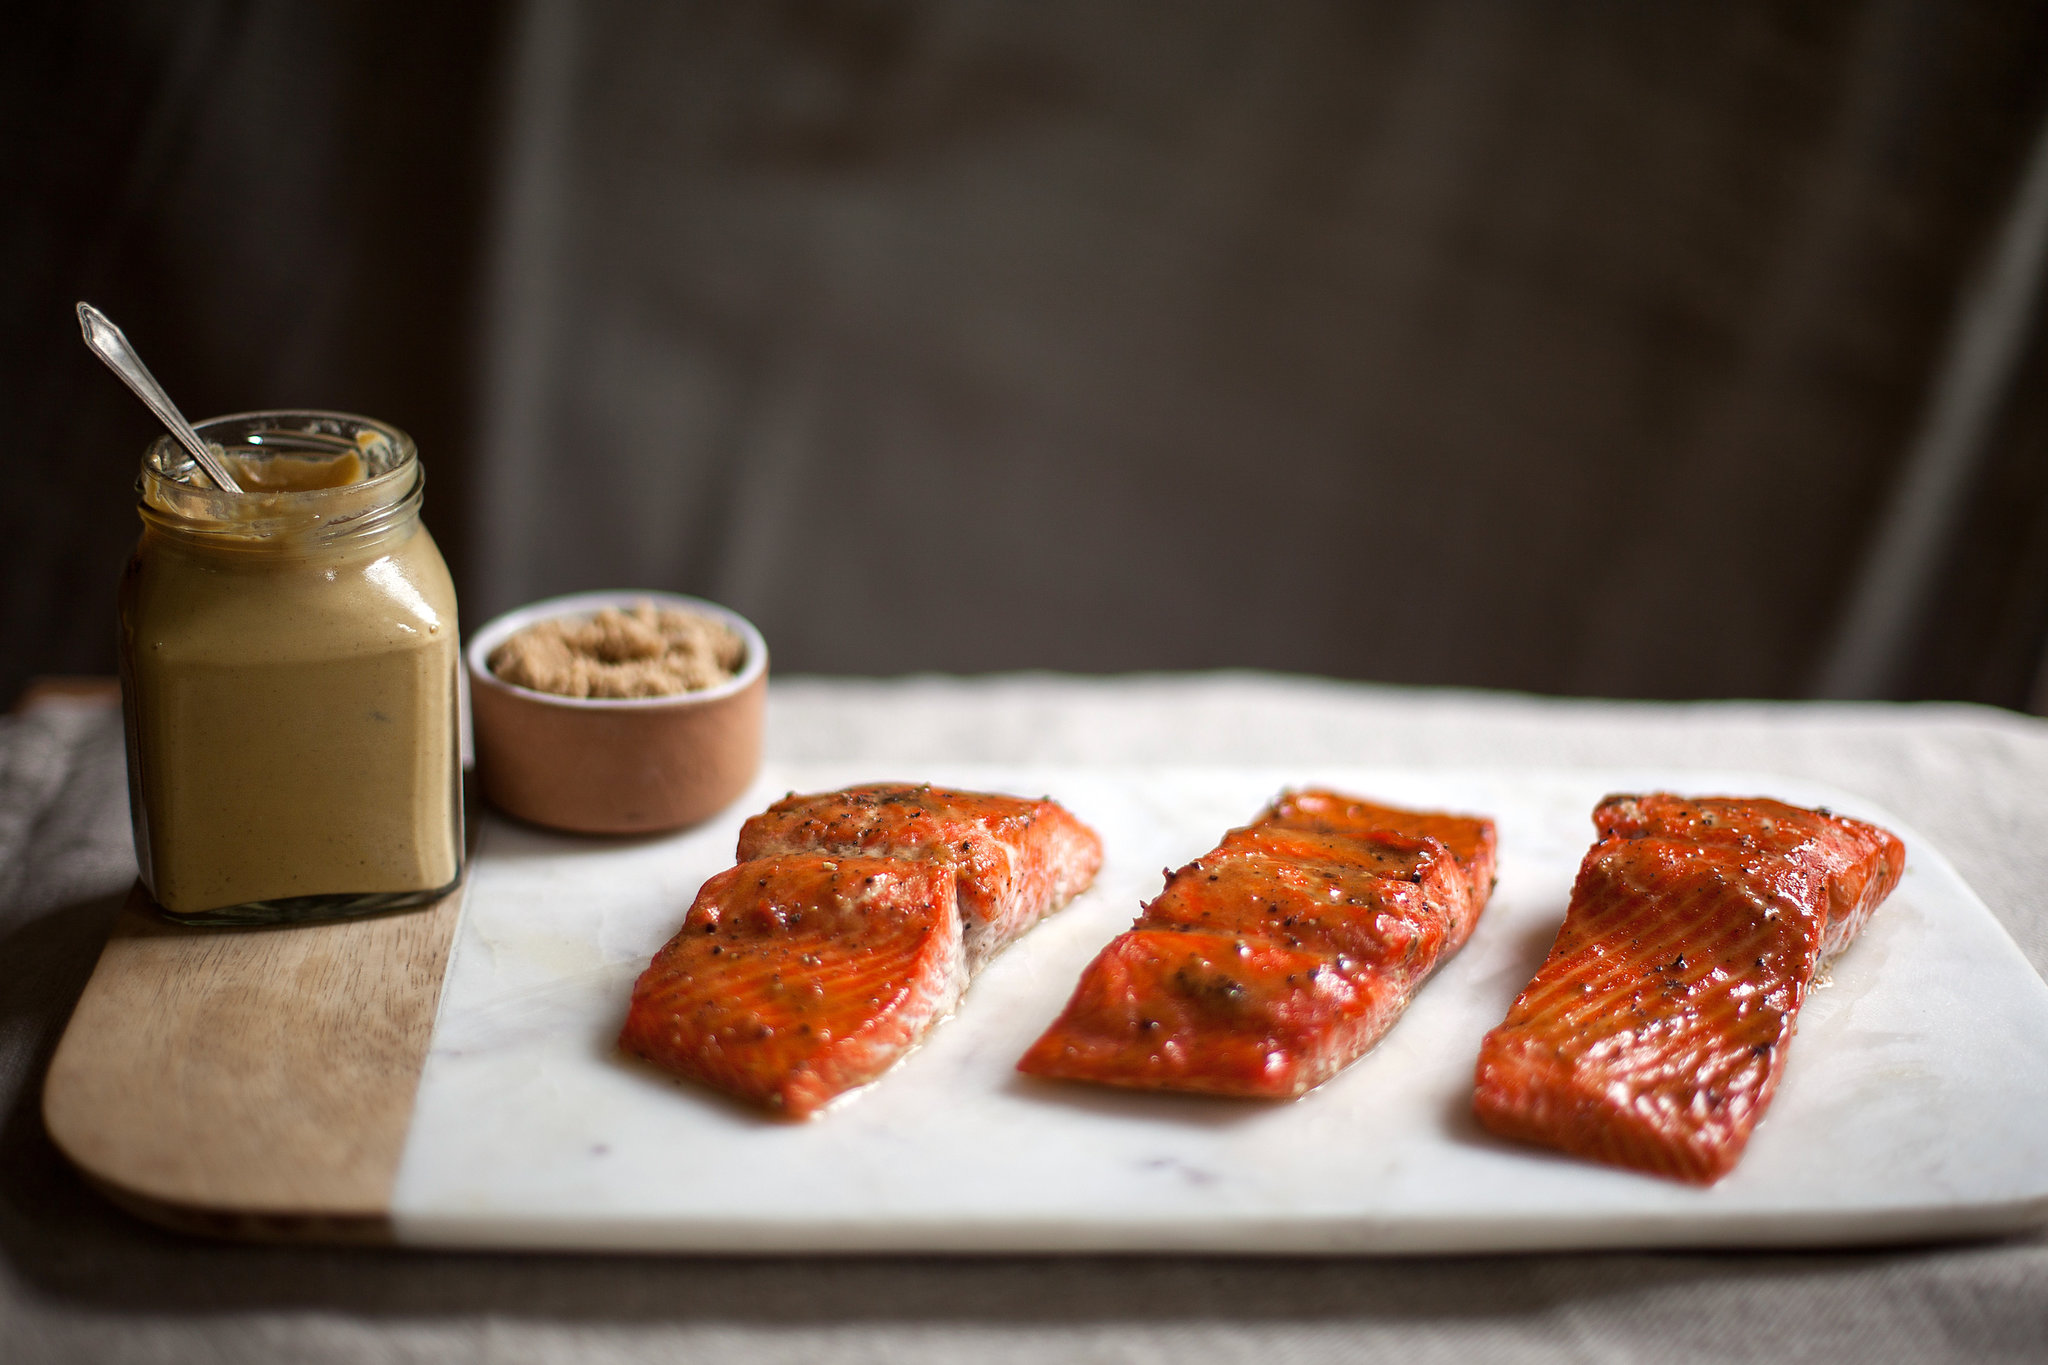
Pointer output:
x,y
1915,1103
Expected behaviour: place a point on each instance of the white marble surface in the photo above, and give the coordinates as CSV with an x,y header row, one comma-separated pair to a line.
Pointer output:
x,y
1915,1102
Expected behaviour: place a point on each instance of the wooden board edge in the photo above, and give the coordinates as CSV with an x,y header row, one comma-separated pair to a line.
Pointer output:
x,y
226,1225
112,1105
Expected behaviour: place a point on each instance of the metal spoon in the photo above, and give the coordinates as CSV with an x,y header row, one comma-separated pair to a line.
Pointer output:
x,y
109,345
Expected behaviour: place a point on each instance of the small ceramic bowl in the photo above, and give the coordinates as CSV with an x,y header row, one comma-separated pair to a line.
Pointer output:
x,y
604,765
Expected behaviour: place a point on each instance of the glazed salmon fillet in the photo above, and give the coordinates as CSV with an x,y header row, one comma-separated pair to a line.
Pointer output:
x,y
1274,961
1471,840
849,928
1655,1033
794,979
1016,860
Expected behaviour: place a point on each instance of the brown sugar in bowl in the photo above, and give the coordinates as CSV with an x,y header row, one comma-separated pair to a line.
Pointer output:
x,y
604,765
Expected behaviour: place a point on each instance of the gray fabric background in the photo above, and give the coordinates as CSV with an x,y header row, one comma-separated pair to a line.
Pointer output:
x,y
1524,346
1575,348
82,1282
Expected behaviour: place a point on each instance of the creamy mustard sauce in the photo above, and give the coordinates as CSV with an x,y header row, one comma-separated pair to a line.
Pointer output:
x,y
292,702
295,473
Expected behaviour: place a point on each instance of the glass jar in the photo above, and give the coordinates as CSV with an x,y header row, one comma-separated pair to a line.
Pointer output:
x,y
289,673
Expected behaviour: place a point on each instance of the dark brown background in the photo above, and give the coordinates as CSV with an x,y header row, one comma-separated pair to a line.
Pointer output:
x,y
1574,348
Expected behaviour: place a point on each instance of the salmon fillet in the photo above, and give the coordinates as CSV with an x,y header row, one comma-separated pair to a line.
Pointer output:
x,y
796,978
1015,860
1655,1033
1274,961
849,928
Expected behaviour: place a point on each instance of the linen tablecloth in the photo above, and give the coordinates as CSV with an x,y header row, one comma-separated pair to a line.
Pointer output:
x,y
82,1281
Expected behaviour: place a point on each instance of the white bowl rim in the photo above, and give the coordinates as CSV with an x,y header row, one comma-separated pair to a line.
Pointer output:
x,y
501,628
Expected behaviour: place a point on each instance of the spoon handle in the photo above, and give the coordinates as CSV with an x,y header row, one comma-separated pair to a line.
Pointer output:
x,y
109,345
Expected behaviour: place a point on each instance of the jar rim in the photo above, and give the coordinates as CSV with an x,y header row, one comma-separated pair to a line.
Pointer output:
x,y
313,426
170,499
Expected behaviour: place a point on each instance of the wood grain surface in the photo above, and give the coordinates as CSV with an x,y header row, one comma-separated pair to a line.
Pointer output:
x,y
251,1082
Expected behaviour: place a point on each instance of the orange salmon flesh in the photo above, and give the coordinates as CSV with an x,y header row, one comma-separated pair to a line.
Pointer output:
x,y
1655,1033
849,928
1274,961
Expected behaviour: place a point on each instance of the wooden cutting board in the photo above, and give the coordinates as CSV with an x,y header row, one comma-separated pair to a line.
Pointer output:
x,y
251,1082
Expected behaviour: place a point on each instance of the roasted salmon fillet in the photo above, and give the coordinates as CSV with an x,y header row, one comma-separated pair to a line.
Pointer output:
x,y
796,978
1015,860
1654,1034
849,928
1277,959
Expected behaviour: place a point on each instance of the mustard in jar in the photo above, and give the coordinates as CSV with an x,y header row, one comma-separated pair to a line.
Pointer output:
x,y
289,673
